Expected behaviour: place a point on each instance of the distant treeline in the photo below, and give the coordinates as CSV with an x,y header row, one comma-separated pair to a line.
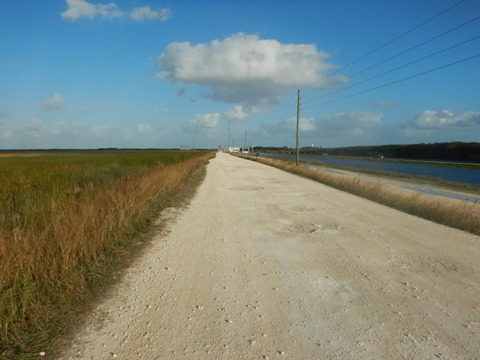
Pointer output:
x,y
452,151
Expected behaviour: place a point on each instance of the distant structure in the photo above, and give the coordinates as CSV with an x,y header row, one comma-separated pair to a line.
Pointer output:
x,y
184,147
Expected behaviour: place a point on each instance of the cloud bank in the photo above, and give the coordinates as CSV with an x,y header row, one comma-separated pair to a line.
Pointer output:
x,y
209,123
78,9
246,69
147,13
431,119
203,123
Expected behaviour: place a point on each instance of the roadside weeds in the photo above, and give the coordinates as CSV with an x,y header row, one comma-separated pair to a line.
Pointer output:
x,y
52,274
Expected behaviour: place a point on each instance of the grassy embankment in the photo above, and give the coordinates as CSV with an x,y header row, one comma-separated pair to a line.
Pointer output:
x,y
464,216
67,222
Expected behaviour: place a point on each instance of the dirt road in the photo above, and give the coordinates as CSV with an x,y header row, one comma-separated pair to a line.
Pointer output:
x,y
267,265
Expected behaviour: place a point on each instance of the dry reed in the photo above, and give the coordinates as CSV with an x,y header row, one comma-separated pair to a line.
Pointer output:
x,y
57,238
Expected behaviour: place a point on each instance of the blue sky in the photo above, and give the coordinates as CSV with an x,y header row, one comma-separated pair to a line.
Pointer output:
x,y
151,73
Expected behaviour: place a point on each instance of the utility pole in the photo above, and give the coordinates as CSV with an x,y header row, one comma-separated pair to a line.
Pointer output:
x,y
245,145
298,125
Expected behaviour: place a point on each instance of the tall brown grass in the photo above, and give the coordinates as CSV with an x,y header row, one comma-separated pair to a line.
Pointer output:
x,y
55,248
460,215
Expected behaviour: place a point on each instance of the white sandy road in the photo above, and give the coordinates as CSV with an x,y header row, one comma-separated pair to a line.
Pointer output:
x,y
266,265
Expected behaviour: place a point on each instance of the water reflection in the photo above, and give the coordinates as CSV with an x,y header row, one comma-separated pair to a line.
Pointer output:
x,y
466,176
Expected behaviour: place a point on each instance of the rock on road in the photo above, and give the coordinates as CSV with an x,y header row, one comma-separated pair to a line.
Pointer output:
x,y
265,265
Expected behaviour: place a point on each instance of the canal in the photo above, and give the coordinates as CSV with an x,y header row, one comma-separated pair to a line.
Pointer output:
x,y
469,176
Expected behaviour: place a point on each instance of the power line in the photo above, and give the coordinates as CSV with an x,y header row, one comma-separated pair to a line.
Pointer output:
x,y
394,39
288,111
396,68
417,46
403,34
284,112
403,52
401,80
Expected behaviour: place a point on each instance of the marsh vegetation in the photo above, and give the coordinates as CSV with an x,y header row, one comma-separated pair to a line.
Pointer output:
x,y
66,220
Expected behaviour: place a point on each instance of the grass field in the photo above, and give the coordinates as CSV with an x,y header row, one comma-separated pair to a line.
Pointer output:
x,y
66,220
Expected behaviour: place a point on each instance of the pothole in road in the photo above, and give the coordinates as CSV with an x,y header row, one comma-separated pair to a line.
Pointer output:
x,y
318,229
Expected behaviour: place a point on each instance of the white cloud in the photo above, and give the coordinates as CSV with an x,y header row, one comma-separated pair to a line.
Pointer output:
x,y
144,128
78,9
210,123
241,112
147,13
306,124
237,113
56,102
431,119
205,123
340,129
244,68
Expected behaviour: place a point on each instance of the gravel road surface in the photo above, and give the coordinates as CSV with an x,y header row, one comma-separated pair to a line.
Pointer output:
x,y
267,265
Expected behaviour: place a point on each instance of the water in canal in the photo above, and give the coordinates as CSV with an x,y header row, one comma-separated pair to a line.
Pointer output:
x,y
444,172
